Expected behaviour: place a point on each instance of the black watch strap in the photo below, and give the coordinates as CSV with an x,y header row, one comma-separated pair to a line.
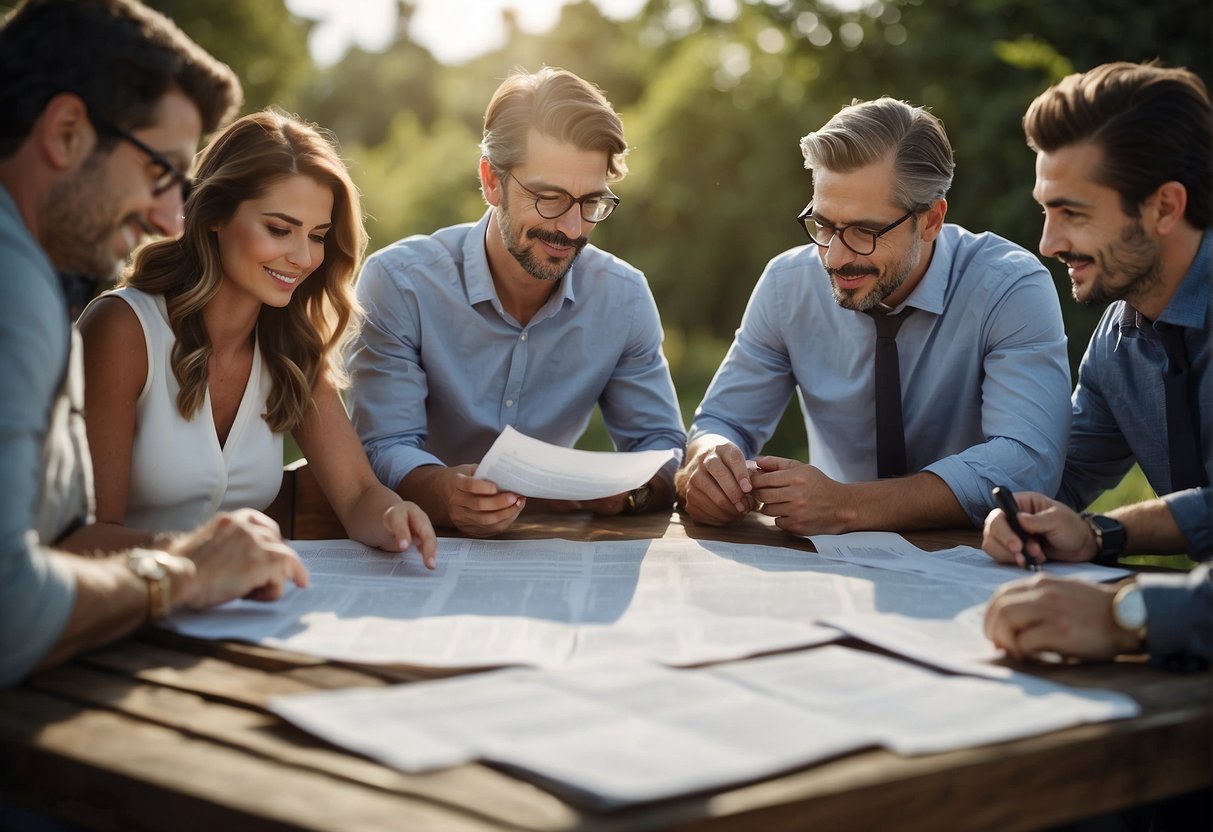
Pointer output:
x,y
638,499
1110,537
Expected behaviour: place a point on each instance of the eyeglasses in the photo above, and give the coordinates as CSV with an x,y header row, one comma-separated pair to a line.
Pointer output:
x,y
860,240
594,207
169,175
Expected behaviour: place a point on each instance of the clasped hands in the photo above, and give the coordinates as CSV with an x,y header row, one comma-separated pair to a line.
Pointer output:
x,y
718,486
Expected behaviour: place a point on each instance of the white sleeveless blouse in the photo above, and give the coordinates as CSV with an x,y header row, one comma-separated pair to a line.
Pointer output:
x,y
180,476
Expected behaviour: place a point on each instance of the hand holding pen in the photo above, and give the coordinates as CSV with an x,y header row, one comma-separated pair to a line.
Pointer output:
x,y
1006,501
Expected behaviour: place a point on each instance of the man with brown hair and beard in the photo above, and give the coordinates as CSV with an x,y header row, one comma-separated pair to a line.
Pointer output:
x,y
1124,175
515,320
930,361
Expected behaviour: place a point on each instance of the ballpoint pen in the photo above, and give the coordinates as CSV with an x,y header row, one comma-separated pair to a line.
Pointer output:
x,y
1006,502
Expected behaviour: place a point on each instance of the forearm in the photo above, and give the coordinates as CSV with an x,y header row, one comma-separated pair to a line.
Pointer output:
x,y
427,487
106,538
110,602
921,501
1150,528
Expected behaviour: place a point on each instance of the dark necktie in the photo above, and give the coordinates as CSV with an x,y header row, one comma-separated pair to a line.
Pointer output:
x,y
1183,416
890,432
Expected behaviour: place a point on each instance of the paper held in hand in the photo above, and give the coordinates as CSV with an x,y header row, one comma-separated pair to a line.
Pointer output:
x,y
533,468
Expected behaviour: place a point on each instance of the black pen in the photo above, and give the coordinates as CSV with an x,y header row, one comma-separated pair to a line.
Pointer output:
x,y
1006,502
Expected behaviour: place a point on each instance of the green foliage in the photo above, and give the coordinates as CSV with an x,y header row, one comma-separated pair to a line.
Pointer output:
x,y
262,42
715,100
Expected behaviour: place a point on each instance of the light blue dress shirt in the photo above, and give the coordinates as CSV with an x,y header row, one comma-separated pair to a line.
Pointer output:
x,y
1120,413
440,368
984,374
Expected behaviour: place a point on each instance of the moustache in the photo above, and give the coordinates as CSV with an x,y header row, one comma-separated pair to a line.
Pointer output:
x,y
1069,257
852,271
557,239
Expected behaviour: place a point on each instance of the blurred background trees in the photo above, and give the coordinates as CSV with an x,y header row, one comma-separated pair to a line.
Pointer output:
x,y
715,96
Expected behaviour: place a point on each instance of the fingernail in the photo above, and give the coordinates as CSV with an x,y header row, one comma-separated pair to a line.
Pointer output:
x,y
740,507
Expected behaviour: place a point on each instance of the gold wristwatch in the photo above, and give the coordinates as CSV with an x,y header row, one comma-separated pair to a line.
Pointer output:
x,y
153,567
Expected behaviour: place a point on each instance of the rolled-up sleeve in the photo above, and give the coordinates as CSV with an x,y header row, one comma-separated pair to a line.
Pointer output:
x,y
754,383
1025,401
1179,618
1192,509
387,399
639,405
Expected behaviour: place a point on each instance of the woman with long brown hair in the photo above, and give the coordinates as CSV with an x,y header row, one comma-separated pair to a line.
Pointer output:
x,y
217,343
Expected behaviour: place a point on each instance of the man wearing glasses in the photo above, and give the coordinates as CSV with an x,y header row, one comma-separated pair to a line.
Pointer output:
x,y
514,320
930,362
104,103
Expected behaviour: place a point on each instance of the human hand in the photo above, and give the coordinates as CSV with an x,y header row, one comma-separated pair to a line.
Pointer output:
x,y
604,506
1046,614
477,507
236,555
715,485
407,525
1063,532
800,497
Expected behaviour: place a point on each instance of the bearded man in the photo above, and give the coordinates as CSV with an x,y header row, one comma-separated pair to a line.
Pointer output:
x,y
930,362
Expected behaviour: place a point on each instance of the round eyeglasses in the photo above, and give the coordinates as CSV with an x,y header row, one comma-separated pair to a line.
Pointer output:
x,y
858,239
553,204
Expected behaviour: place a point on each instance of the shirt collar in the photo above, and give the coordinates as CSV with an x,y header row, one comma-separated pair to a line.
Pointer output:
x,y
929,294
478,280
1189,306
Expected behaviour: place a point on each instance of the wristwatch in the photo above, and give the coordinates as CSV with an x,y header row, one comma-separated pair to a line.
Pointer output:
x,y
1129,610
638,499
1110,537
152,566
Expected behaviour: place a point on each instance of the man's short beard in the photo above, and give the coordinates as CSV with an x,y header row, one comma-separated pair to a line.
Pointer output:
x,y
884,287
1134,256
76,223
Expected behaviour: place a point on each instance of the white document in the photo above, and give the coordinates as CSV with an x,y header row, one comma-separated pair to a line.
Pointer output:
x,y
533,468
965,564
952,639
625,732
918,711
546,602
617,733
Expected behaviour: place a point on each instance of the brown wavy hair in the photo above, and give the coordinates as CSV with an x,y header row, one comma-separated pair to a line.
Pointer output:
x,y
300,342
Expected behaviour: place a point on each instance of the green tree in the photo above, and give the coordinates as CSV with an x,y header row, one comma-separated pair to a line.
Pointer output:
x,y
262,42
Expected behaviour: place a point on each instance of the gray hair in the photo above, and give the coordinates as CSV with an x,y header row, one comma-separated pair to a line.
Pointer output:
x,y
866,132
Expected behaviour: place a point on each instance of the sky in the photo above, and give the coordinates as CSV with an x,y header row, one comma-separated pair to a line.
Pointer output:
x,y
453,30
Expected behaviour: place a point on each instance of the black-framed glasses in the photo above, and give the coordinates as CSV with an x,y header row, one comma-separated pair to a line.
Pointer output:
x,y
169,176
858,239
594,207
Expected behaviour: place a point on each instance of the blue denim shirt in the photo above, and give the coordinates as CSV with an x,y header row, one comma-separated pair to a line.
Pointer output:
x,y
1120,407
439,367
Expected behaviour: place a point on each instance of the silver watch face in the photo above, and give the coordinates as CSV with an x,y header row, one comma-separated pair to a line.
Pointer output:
x,y
1130,610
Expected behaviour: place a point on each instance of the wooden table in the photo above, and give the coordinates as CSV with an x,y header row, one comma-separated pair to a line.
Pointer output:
x,y
160,731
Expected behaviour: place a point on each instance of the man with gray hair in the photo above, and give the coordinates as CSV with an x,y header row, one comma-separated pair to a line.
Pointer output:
x,y
930,361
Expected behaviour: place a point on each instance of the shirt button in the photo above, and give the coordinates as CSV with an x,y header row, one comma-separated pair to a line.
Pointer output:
x,y
509,402
522,337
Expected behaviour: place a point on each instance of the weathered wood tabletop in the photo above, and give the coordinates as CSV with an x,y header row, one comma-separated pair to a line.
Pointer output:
x,y
165,732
